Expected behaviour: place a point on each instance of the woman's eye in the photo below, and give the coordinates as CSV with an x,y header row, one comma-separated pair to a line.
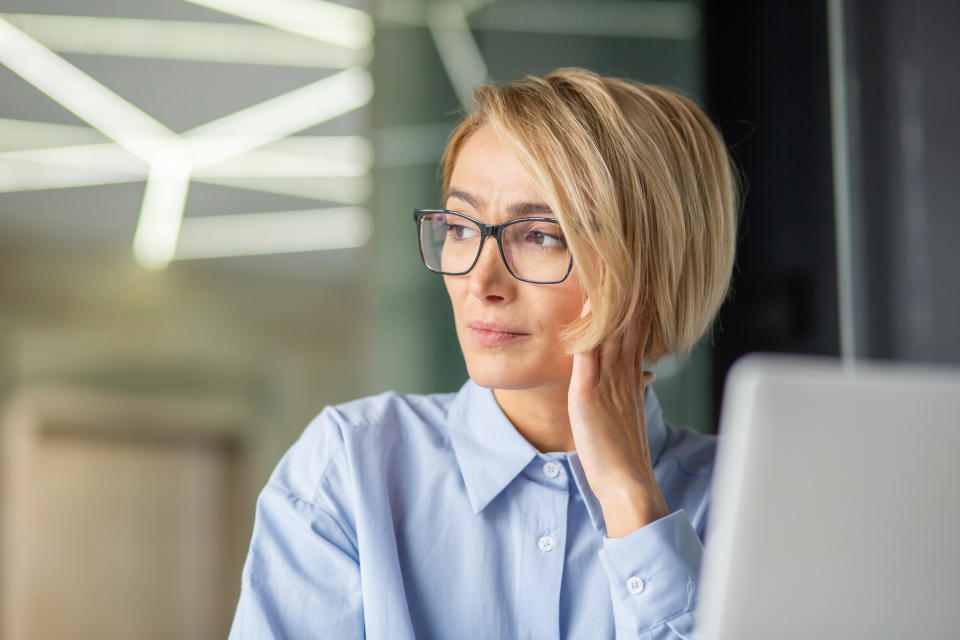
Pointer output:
x,y
460,232
546,240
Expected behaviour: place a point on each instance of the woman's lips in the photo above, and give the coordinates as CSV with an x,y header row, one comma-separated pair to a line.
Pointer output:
x,y
493,335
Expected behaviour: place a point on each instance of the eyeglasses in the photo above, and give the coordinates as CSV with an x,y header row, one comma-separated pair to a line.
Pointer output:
x,y
533,249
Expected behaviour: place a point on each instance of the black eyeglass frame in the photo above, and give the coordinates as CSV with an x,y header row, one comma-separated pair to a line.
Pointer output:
x,y
486,230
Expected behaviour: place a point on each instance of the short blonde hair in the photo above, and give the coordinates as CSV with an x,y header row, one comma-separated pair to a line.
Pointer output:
x,y
644,190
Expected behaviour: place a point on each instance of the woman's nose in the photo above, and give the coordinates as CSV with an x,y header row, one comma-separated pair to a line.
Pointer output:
x,y
489,278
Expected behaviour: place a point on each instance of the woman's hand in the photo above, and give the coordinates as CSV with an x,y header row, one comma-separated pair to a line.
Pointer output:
x,y
609,427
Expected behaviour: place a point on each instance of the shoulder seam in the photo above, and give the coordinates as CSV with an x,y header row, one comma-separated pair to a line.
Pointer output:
x,y
340,450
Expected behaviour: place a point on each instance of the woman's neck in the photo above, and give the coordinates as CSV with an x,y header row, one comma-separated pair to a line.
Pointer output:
x,y
539,415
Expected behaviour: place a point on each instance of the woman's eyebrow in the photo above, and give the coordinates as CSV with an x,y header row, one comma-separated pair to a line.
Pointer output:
x,y
473,201
530,209
518,209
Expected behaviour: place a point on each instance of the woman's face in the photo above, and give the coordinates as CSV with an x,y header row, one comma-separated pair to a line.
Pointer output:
x,y
509,330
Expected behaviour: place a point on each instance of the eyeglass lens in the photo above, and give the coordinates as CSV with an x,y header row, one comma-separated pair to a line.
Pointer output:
x,y
534,250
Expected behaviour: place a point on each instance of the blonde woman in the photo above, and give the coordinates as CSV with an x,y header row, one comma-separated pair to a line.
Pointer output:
x,y
587,229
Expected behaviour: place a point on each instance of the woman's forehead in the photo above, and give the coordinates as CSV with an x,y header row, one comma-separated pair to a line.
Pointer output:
x,y
485,159
486,174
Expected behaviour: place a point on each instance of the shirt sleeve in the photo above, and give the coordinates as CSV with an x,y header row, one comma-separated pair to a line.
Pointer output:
x,y
302,576
653,577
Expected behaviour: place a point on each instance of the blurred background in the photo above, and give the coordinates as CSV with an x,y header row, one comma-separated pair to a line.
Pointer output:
x,y
206,237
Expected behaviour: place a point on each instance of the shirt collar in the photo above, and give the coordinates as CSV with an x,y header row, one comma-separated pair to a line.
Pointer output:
x,y
491,452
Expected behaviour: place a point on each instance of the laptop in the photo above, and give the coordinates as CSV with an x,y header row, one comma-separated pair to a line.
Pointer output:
x,y
835,503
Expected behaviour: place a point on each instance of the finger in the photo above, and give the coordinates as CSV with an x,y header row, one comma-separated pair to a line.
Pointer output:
x,y
602,359
585,373
631,340
644,328
586,364
611,358
621,353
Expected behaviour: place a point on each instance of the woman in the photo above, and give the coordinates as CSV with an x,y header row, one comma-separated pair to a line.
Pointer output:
x,y
588,227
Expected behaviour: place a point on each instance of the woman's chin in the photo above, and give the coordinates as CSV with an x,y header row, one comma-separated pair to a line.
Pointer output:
x,y
500,382
509,377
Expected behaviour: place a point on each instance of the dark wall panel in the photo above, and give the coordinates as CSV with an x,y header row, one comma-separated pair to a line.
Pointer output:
x,y
767,74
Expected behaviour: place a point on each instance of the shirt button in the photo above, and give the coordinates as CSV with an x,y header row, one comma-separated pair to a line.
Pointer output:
x,y
546,543
551,469
634,585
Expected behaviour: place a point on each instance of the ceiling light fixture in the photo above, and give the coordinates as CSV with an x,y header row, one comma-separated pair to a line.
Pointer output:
x,y
247,234
225,151
316,19
184,40
278,117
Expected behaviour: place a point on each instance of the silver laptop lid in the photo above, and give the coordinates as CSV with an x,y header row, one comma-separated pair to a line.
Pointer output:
x,y
836,503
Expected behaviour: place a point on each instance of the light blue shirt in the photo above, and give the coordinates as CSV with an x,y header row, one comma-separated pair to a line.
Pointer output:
x,y
406,516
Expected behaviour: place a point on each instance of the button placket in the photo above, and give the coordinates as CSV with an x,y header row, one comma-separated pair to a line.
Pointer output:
x,y
544,524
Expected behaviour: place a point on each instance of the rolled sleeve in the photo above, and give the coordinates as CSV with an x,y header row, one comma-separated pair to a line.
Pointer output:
x,y
653,578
